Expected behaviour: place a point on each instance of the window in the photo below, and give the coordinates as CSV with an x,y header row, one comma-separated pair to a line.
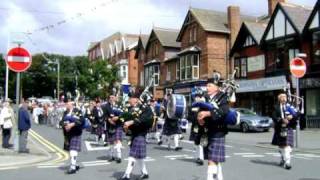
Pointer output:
x,y
195,34
241,65
189,67
249,42
195,66
316,48
315,21
292,54
192,34
178,70
279,24
152,71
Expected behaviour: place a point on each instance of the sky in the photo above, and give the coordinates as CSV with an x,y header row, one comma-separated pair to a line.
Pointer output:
x,y
68,26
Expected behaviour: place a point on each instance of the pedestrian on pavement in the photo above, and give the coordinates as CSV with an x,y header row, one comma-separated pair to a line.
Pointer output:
x,y
72,123
139,128
217,129
24,124
7,119
284,118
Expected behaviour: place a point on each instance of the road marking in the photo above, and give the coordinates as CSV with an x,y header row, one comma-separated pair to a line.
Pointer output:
x,y
244,154
300,157
90,148
147,159
96,164
92,162
252,156
308,155
44,167
8,168
172,148
180,156
191,142
62,155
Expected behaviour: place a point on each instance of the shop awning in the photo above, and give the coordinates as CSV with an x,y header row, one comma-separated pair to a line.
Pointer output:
x,y
264,84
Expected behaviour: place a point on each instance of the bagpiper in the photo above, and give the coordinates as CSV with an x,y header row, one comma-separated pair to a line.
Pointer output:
x,y
284,118
139,127
72,123
214,121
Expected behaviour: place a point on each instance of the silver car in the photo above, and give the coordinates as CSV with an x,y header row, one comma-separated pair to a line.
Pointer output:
x,y
250,121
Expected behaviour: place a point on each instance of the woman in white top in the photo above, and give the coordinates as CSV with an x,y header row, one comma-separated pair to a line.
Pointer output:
x,y
6,122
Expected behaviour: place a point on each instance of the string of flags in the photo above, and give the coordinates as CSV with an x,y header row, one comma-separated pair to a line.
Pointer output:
x,y
77,16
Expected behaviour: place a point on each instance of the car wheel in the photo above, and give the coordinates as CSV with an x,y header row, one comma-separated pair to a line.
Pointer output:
x,y
244,127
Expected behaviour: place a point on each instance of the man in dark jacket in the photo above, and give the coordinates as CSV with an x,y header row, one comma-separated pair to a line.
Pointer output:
x,y
139,128
24,124
72,123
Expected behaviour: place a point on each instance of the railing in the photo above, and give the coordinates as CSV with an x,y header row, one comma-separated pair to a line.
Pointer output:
x,y
313,122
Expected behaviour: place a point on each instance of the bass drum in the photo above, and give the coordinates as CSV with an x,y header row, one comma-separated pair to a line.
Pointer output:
x,y
176,106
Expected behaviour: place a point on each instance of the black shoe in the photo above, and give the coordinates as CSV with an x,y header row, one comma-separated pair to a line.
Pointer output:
x,y
287,166
281,163
77,167
160,143
71,171
111,159
124,177
178,148
199,162
118,160
144,176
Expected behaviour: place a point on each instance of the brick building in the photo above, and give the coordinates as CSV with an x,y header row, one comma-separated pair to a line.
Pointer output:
x,y
120,49
206,37
262,53
161,46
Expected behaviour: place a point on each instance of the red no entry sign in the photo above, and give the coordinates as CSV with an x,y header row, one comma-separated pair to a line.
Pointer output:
x,y
298,67
18,59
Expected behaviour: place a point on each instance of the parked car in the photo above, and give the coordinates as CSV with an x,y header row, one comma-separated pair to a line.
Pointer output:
x,y
251,121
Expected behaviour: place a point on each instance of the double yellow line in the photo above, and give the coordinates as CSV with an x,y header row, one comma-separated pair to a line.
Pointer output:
x,y
62,155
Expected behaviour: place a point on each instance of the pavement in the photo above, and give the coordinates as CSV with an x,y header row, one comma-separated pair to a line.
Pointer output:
x,y
41,151
308,141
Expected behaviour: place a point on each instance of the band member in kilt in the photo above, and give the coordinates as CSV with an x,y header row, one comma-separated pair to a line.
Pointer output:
x,y
100,122
139,128
114,130
196,131
171,129
284,118
217,129
72,123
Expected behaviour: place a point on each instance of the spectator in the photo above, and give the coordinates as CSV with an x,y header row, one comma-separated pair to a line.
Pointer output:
x,y
6,122
24,124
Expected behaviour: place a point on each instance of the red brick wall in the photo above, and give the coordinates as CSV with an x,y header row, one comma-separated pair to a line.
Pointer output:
x,y
133,75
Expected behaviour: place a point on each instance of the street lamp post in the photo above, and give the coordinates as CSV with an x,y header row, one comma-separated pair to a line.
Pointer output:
x,y
57,62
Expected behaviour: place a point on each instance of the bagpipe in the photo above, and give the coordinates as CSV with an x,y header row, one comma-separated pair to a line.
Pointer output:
x,y
227,90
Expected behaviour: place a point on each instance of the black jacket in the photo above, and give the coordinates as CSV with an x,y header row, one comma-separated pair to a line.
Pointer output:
x,y
143,122
216,122
77,129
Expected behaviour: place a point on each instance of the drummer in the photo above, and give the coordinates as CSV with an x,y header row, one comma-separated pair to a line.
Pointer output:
x,y
171,129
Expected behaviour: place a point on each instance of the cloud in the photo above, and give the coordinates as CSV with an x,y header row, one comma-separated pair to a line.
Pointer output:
x,y
81,24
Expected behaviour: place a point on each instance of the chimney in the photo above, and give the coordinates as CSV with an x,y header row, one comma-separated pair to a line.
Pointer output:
x,y
272,5
233,22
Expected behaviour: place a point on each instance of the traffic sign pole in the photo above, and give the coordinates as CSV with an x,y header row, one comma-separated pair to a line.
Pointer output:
x,y
18,89
298,120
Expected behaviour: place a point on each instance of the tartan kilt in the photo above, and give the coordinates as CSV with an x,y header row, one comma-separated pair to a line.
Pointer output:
x,y
75,143
99,130
216,150
117,136
283,141
170,129
138,147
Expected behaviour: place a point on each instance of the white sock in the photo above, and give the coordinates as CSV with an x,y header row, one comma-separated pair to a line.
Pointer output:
x,y
287,154
130,166
97,138
73,158
103,137
281,151
157,135
200,152
111,150
212,170
220,175
117,149
142,165
176,140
